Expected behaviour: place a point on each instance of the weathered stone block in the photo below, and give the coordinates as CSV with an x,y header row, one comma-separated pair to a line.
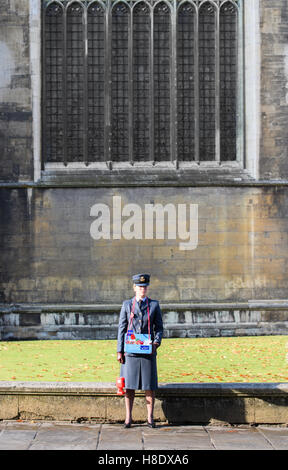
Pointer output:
x,y
62,407
185,410
8,407
271,410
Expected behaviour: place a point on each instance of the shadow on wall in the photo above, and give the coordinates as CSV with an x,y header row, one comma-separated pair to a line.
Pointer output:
x,y
231,403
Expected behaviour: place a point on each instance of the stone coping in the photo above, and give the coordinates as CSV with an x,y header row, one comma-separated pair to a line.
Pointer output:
x,y
262,304
255,389
261,182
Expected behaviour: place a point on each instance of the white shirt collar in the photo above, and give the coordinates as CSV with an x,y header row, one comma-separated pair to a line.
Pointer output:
x,y
141,299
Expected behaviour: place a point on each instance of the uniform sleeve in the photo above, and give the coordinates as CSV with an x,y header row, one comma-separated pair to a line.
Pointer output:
x,y
122,328
158,325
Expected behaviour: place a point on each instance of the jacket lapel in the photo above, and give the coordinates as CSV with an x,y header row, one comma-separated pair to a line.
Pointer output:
x,y
137,311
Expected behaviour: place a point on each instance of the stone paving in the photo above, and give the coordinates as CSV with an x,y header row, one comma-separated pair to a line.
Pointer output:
x,y
29,435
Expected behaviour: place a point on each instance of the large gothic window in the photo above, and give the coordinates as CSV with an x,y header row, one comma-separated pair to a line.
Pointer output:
x,y
141,81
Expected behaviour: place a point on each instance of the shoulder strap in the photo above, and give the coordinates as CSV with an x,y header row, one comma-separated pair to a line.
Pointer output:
x,y
132,315
148,317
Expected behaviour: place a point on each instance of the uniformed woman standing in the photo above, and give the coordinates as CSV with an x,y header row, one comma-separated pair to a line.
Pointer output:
x,y
140,370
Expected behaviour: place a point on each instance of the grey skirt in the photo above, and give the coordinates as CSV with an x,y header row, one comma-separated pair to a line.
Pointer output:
x,y
140,372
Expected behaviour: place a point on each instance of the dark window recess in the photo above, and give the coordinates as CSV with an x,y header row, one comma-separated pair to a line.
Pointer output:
x,y
187,92
120,83
207,82
95,82
140,80
228,82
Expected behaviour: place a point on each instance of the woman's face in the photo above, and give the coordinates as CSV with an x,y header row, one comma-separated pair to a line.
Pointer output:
x,y
140,291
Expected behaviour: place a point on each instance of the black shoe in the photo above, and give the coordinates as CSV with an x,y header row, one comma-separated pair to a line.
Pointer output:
x,y
151,425
127,425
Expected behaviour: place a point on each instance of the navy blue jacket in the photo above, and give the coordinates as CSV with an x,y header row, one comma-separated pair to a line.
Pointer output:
x,y
140,321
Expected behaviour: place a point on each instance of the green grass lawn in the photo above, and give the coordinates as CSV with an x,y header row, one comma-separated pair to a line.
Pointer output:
x,y
240,359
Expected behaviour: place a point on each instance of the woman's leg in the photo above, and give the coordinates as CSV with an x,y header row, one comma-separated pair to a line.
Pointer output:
x,y
150,399
129,399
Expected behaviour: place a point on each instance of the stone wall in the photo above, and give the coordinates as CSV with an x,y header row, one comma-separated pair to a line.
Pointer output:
x,y
274,89
48,255
16,159
190,403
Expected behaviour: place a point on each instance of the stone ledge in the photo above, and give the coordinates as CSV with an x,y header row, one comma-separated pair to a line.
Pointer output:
x,y
176,403
94,183
263,304
184,320
165,389
171,330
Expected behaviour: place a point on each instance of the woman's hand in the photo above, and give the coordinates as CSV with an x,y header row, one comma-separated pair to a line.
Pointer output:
x,y
154,347
120,357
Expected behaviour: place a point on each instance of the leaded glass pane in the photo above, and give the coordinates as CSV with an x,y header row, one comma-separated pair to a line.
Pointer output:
x,y
141,81
228,81
120,83
207,81
186,81
75,83
162,56
53,83
96,81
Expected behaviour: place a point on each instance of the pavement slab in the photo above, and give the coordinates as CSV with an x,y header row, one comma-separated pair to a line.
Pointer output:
x,y
277,436
116,437
16,439
93,436
238,438
177,438
66,437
